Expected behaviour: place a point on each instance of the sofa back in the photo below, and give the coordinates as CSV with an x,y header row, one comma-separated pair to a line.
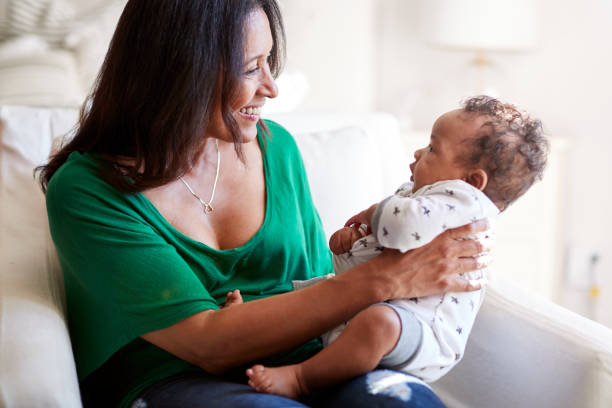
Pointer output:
x,y
352,160
36,364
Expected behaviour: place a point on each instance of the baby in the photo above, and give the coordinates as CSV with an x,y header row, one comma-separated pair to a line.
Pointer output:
x,y
479,160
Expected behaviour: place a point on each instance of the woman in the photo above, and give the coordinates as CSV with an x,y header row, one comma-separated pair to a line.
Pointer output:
x,y
173,193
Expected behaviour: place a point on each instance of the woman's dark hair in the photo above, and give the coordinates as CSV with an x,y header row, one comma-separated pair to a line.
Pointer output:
x,y
511,147
170,64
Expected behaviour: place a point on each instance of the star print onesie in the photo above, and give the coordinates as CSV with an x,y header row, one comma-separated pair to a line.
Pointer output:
x,y
434,328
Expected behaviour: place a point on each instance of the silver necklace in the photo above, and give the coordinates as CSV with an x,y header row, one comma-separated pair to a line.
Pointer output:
x,y
206,206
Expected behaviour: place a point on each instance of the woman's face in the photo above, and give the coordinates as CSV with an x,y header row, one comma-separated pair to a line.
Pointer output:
x,y
256,82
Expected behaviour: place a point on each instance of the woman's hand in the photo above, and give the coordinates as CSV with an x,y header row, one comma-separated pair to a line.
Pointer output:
x,y
435,267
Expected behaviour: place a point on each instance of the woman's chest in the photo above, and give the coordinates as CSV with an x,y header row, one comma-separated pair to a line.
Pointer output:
x,y
239,212
238,207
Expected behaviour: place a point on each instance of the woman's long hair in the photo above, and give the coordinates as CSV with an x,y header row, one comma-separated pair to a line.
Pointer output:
x,y
170,65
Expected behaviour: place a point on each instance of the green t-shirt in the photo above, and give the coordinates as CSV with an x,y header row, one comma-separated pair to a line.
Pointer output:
x,y
128,272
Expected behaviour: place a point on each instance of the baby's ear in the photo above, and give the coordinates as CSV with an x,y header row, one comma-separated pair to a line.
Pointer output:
x,y
478,178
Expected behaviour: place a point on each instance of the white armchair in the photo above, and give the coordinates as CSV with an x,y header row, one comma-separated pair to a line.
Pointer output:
x,y
523,352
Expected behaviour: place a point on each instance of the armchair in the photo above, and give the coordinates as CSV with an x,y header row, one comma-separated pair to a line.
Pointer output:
x,y
524,351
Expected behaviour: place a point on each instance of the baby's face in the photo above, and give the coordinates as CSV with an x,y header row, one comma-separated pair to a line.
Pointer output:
x,y
438,161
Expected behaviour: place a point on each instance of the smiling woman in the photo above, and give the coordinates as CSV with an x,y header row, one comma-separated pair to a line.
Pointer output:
x,y
152,281
256,83
176,89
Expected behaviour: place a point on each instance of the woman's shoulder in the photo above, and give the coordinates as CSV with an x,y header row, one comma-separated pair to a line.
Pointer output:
x,y
77,169
276,128
278,134
76,181
279,144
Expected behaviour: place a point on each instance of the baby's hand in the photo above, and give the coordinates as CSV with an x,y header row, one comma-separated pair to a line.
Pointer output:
x,y
233,298
343,239
364,217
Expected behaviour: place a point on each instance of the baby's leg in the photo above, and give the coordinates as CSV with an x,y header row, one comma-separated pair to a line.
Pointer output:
x,y
369,336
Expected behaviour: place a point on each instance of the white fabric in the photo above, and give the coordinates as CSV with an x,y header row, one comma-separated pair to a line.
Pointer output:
x,y
52,50
91,35
50,19
54,21
36,363
409,220
525,351
351,160
33,75
320,148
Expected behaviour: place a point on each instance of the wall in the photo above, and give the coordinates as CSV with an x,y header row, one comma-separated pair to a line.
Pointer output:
x,y
323,35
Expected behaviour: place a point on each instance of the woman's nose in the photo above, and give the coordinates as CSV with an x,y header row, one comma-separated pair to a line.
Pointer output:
x,y
268,85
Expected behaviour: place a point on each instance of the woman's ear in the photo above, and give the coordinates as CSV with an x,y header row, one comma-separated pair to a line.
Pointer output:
x,y
478,178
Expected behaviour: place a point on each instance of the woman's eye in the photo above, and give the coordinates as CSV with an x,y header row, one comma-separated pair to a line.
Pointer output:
x,y
252,71
261,62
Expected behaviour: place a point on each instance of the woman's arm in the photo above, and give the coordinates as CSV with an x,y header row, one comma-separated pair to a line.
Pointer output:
x,y
219,340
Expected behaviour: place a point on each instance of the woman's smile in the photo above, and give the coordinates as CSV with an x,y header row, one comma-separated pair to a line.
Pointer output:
x,y
250,113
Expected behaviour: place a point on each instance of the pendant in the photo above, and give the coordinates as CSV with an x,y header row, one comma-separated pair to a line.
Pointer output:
x,y
207,208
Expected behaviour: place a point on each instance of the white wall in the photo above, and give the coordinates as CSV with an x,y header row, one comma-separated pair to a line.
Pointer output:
x,y
323,35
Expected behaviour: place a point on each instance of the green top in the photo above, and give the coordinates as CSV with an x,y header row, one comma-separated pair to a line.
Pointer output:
x,y
128,272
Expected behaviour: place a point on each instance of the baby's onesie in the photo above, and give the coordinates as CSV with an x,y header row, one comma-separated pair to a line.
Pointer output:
x,y
405,221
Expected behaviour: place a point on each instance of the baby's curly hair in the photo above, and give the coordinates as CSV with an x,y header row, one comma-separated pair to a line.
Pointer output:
x,y
510,146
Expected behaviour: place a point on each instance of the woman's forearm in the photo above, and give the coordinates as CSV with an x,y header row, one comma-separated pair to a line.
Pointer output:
x,y
220,340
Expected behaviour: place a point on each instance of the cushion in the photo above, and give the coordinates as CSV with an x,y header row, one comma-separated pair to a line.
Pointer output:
x,y
36,363
40,77
341,188
346,157
525,351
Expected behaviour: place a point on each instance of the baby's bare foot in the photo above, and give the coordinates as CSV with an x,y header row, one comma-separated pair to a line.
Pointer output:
x,y
285,381
233,298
